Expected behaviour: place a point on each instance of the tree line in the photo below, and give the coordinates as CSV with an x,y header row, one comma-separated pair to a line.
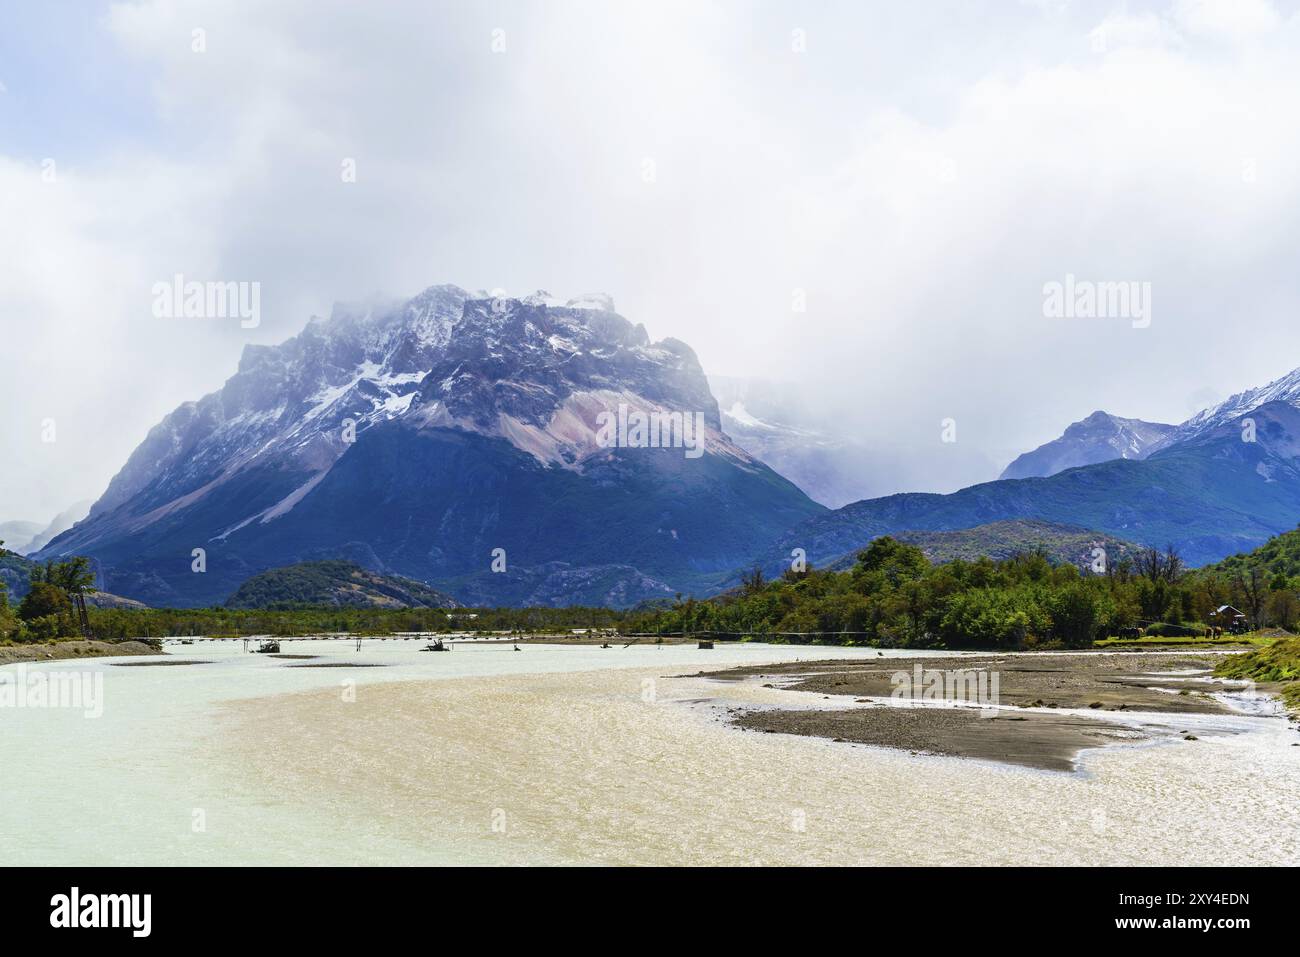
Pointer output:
x,y
893,596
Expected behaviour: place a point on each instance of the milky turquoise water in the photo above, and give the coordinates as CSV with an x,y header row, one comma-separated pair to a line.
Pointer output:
x,y
155,779
135,785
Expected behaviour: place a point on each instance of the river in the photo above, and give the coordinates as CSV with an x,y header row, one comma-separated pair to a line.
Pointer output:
x,y
576,755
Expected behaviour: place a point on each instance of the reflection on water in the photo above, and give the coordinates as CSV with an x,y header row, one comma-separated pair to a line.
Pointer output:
x,y
575,755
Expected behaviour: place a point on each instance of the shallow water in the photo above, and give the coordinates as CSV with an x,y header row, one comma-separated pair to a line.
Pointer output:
x,y
576,755
139,785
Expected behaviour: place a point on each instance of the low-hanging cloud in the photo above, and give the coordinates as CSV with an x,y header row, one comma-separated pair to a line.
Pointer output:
x,y
863,202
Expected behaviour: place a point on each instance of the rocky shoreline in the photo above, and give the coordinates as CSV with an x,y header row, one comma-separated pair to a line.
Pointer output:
x,y
64,650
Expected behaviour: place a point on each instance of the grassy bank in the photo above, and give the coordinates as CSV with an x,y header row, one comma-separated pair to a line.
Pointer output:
x,y
1197,641
1276,666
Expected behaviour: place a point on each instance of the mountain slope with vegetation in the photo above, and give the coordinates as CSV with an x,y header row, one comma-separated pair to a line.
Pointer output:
x,y
1279,557
334,584
894,596
1060,544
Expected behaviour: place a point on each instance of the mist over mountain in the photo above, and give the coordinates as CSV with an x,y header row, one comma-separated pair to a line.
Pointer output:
x,y
499,444
1220,489
17,534
838,452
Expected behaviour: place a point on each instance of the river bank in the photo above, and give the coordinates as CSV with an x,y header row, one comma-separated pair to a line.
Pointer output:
x,y
577,755
65,650
1037,710
644,766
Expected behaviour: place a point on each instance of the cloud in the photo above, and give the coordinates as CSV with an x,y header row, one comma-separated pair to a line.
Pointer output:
x,y
914,179
1235,19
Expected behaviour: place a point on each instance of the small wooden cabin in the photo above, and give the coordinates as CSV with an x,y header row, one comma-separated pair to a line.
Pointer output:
x,y
1230,619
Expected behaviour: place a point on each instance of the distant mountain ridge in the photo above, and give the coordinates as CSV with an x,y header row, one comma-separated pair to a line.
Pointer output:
x,y
765,419
1103,436
27,538
1284,389
1098,438
16,535
824,450
1210,495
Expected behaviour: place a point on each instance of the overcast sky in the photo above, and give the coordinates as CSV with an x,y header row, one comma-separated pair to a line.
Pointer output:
x,y
913,172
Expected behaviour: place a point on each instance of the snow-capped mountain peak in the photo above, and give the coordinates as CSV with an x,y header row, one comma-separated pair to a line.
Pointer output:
x,y
1098,438
1284,389
535,372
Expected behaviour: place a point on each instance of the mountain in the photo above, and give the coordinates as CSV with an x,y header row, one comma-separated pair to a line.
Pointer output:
x,y
16,574
1210,495
334,583
1278,557
767,420
450,438
1233,409
16,535
1062,544
561,583
1098,438
57,526
840,455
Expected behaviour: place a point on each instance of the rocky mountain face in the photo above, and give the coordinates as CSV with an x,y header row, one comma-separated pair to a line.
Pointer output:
x,y
1221,489
1098,438
507,449
16,575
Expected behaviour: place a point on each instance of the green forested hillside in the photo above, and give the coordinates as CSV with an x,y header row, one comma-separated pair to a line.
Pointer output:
x,y
1060,544
1279,557
894,596
334,583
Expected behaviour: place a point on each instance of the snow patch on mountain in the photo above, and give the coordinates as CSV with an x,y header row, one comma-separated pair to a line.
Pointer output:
x,y
535,371
1285,389
1100,437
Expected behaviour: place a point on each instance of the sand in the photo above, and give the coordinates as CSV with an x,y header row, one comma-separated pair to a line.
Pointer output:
x,y
1030,687
635,767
